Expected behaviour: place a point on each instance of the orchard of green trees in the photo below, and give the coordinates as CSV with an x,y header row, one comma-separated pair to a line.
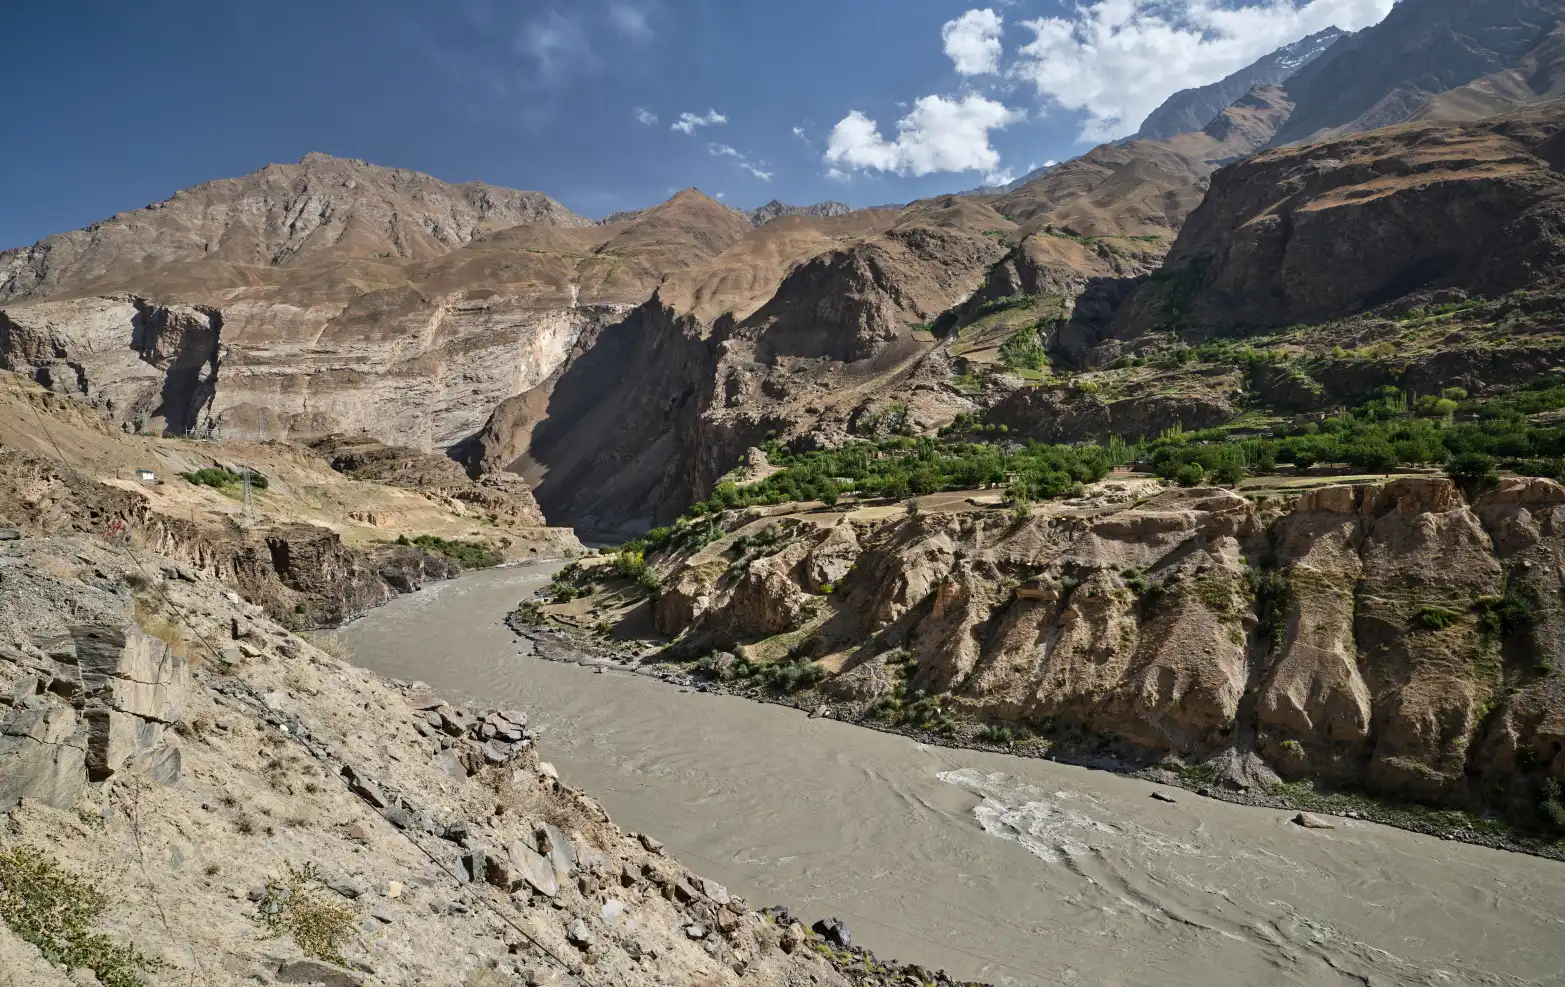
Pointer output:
x,y
1472,439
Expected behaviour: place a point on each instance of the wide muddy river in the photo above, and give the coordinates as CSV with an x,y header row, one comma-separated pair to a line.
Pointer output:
x,y
998,868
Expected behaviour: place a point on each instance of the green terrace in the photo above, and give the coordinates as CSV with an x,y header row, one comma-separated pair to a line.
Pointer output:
x,y
1473,439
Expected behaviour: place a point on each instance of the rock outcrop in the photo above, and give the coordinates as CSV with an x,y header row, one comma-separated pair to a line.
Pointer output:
x,y
294,819
1385,636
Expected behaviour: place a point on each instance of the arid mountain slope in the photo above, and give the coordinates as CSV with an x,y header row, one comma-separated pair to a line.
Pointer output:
x,y
1539,77
417,354
322,208
1316,232
1385,74
661,405
1190,110
1145,187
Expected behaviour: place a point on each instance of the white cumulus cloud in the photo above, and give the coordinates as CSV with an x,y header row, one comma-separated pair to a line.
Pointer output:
x,y
646,117
939,134
688,122
753,167
1117,60
973,42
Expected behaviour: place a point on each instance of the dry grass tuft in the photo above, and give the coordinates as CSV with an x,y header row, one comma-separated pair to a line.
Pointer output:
x,y
332,644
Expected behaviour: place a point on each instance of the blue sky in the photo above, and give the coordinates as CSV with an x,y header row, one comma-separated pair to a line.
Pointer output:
x,y
110,106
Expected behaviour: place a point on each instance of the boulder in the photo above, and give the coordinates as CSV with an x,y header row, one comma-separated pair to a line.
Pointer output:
x,y
557,846
534,868
1309,820
308,971
834,931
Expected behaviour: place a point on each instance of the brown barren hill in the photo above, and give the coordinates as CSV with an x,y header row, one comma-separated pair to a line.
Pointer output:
x,y
1315,232
283,215
1145,187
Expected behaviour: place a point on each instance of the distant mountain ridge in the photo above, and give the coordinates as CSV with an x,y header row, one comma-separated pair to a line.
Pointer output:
x,y
280,216
1190,110
757,217
1387,74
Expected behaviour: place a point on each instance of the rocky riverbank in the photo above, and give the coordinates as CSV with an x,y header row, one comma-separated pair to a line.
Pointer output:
x,y
229,804
1298,802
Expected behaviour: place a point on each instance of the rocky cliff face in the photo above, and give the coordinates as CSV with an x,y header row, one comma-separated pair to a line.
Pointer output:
x,y
314,824
1348,636
660,406
774,210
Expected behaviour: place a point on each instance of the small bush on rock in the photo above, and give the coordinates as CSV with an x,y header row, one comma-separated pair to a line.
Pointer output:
x,y
299,906
56,910
1434,618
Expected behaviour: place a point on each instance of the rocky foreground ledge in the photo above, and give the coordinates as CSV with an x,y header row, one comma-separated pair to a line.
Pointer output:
x,y
201,797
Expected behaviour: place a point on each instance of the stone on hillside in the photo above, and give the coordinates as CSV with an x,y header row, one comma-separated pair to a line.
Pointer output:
x,y
834,931
476,864
578,934
562,856
450,765
534,868
364,788
308,971
715,891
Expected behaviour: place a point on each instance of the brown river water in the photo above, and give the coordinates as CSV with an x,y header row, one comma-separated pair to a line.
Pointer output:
x,y
1005,869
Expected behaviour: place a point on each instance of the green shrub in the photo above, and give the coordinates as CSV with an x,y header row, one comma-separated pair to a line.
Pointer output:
x,y
1190,475
1228,474
561,591
1474,471
466,554
56,910
1552,805
301,906
1024,350
1434,618
782,677
1135,579
1000,736
218,477
1505,616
